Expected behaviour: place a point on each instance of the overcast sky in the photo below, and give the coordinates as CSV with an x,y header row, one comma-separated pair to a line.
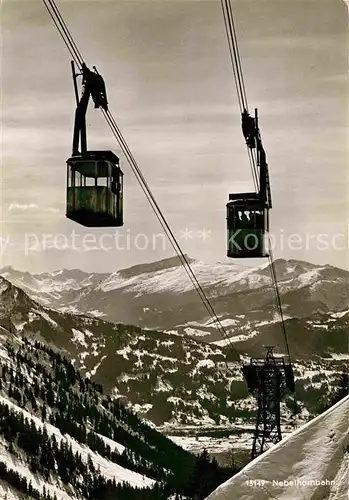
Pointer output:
x,y
170,87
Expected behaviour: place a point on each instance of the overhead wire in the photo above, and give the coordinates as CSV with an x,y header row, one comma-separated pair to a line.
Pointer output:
x,y
61,32
241,104
238,75
237,54
76,55
157,210
278,297
66,31
182,257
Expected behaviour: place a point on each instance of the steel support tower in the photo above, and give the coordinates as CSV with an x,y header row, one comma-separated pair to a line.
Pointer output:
x,y
268,379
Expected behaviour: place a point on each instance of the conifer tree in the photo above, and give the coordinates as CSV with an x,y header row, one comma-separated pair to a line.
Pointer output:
x,y
342,388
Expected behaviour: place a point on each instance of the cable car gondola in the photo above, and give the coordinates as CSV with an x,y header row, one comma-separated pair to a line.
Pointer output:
x,y
94,178
248,213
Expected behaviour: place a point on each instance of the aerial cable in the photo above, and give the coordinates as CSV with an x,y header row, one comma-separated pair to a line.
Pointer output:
x,y
232,58
231,30
66,35
59,28
139,176
76,55
67,32
183,259
283,326
238,75
278,298
253,159
238,60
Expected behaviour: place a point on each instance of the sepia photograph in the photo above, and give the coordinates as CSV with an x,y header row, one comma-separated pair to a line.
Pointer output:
x,y
174,250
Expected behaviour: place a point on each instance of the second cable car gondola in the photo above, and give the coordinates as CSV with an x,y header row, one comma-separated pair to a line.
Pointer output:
x,y
94,178
248,213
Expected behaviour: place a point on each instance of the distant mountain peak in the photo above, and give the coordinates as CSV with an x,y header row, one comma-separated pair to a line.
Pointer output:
x,y
290,266
152,267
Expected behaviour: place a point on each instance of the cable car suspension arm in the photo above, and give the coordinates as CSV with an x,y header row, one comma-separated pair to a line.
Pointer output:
x,y
93,86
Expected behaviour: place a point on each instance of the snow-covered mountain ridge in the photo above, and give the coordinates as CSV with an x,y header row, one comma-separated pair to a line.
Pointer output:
x,y
160,295
172,379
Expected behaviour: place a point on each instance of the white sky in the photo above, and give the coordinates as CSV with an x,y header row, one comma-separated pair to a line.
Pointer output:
x,y
171,90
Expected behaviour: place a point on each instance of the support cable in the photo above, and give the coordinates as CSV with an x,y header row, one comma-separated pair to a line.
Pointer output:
x,y
238,75
183,259
61,32
237,54
66,31
241,105
278,298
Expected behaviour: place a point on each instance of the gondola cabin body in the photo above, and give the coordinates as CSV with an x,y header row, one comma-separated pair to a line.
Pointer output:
x,y
247,225
95,189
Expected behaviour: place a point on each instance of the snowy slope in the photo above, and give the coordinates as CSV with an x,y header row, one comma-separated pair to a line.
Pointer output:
x,y
9,493
53,288
175,279
108,469
23,470
310,463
